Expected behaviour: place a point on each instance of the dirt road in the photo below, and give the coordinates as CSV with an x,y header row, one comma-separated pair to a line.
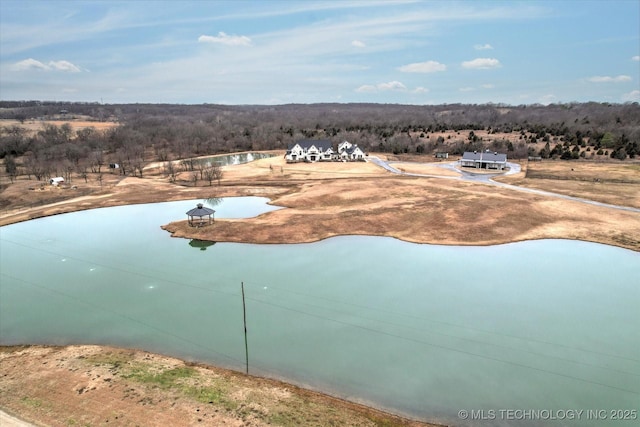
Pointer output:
x,y
7,420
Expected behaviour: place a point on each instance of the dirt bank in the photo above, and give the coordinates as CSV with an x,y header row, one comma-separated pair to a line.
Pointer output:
x,y
92,385
421,210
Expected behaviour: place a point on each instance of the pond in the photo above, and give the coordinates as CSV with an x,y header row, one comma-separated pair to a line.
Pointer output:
x,y
233,159
421,330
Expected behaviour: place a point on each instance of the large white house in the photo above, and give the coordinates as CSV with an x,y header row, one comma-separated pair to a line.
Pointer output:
x,y
310,150
349,151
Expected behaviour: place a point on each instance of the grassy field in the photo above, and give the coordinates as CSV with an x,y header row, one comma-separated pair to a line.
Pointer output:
x,y
92,385
616,183
33,126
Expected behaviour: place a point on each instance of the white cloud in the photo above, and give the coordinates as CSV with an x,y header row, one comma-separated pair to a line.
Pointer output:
x,y
34,64
224,38
485,46
635,58
29,64
358,43
466,89
420,89
64,66
366,89
609,79
634,95
488,86
423,67
394,85
482,64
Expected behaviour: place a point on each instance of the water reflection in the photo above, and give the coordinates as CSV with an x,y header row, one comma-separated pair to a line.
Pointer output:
x,y
233,159
213,201
201,244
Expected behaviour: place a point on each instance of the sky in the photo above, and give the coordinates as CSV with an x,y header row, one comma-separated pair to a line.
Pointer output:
x,y
281,52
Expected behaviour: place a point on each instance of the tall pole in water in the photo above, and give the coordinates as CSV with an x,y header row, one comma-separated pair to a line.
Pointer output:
x,y
244,317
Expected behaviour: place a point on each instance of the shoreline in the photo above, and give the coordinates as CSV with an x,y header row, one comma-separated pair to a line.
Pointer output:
x,y
324,200
197,236
110,374
223,229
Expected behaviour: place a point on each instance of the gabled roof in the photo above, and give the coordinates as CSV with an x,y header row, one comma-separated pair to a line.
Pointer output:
x,y
321,144
352,149
484,156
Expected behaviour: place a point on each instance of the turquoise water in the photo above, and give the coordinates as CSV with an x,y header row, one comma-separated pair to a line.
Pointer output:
x,y
422,330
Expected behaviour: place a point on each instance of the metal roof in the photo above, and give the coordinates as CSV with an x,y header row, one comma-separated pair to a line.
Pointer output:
x,y
200,210
484,156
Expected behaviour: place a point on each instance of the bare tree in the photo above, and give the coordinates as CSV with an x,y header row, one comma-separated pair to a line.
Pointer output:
x,y
67,168
201,166
209,175
11,167
36,167
217,172
81,169
96,160
170,171
213,172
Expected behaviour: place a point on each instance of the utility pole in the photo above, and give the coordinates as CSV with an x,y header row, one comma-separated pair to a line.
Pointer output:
x,y
244,317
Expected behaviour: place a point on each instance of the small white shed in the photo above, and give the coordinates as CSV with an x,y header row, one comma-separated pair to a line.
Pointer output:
x,y
56,181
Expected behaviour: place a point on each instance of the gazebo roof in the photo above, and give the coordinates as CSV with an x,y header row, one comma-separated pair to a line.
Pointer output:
x,y
200,210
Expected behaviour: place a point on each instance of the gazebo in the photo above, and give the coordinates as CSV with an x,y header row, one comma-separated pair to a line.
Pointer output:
x,y
197,216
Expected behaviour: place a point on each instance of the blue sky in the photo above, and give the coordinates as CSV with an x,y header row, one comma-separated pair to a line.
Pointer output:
x,y
278,52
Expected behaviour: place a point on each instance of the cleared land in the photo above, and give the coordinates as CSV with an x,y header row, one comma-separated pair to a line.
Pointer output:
x,y
33,126
616,183
91,385
423,169
324,202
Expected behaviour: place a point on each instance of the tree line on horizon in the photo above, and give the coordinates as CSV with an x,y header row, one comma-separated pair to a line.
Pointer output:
x,y
164,132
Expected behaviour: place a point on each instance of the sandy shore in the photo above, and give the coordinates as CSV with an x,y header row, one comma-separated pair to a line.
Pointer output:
x,y
96,385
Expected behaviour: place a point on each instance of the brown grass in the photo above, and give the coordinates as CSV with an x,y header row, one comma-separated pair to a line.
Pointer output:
x,y
616,183
33,126
423,169
92,385
421,210
329,199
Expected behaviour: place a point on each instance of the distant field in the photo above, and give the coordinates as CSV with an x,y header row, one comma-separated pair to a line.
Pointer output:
x,y
616,183
33,126
625,173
